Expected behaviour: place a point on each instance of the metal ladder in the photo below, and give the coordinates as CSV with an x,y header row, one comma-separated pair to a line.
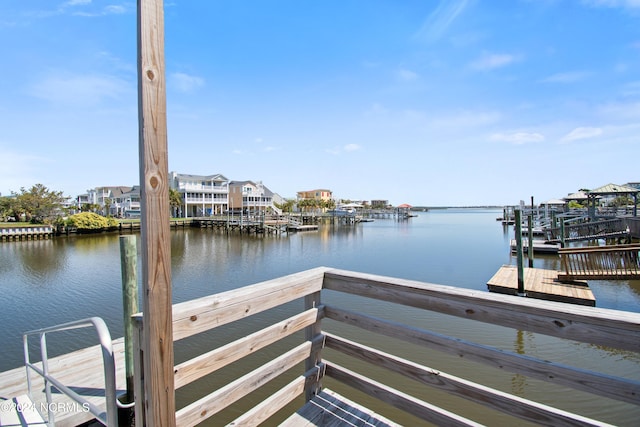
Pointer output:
x,y
24,406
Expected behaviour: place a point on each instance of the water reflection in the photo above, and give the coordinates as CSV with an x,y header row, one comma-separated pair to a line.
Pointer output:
x,y
49,282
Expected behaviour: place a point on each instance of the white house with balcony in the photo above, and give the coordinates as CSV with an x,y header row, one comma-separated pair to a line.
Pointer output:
x,y
128,204
251,198
202,195
108,199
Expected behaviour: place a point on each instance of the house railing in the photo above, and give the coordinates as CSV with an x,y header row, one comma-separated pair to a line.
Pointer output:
x,y
323,291
590,230
611,262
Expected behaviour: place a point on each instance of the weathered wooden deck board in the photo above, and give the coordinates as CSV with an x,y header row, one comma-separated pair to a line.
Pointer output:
x,y
541,284
329,409
81,370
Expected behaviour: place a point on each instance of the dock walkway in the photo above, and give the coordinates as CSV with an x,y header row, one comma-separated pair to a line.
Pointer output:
x,y
541,284
81,370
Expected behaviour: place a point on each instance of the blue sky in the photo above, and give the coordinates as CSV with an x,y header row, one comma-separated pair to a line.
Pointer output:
x,y
460,102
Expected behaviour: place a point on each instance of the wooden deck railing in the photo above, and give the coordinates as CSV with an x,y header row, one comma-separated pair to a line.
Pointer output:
x,y
324,291
611,262
591,230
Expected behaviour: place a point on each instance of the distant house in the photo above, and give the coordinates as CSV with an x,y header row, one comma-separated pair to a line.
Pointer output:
x,y
251,198
379,204
202,195
106,198
320,194
635,185
129,203
83,199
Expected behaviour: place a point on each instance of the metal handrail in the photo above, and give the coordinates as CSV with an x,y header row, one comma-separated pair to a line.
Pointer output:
x,y
110,418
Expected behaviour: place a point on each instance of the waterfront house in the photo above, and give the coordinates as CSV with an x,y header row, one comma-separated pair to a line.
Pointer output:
x,y
106,198
202,195
319,194
252,198
128,204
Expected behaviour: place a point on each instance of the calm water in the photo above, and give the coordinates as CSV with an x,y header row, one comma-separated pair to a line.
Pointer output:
x,y
44,283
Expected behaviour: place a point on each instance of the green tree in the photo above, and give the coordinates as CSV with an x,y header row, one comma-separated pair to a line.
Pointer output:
x,y
107,207
6,207
328,204
39,204
307,205
287,206
89,207
175,201
621,201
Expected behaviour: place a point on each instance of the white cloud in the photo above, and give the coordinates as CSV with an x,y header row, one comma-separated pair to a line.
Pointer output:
x,y
465,119
490,61
569,77
76,3
626,4
75,8
115,9
376,109
406,75
80,90
440,19
185,83
348,148
629,111
518,138
581,133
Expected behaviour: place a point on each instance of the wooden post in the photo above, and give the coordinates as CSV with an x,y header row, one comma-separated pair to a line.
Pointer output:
x,y
562,232
530,241
518,231
129,265
154,191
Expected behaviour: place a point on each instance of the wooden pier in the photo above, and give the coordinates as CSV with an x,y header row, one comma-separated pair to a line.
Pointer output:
x,y
252,225
541,284
8,234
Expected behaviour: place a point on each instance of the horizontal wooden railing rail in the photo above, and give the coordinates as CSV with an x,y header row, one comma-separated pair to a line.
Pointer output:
x,y
610,328
612,262
620,330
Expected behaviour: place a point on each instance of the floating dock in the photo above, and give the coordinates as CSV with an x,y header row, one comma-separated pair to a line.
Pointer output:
x,y
541,284
539,246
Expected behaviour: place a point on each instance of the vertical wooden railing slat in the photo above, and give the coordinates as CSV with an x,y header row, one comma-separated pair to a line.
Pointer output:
x,y
156,246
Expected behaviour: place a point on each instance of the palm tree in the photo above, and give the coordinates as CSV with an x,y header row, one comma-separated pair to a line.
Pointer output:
x,y
175,201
